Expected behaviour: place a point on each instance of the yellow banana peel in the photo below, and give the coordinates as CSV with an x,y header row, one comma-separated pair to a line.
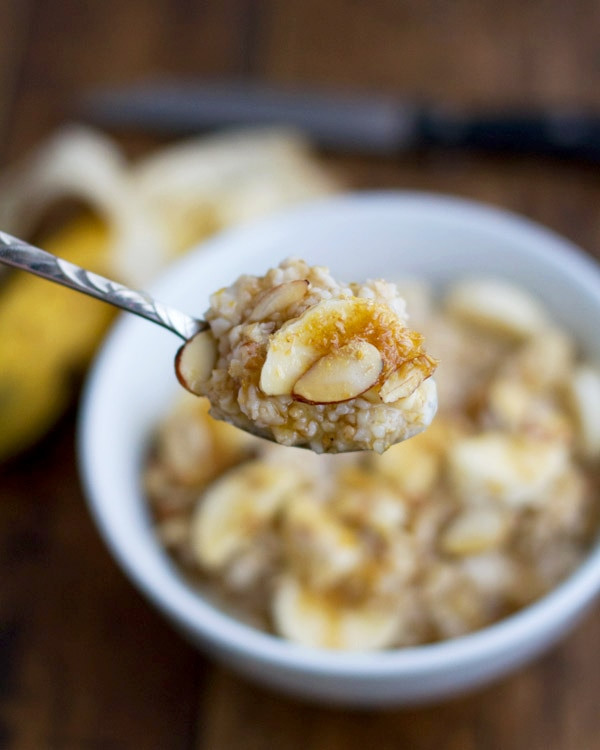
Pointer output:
x,y
47,335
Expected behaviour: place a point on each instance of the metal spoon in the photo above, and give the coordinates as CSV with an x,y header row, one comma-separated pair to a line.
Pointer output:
x,y
19,254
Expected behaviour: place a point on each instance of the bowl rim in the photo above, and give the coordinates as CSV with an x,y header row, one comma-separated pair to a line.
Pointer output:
x,y
196,615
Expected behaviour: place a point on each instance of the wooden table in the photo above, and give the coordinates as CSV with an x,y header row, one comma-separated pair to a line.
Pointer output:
x,y
85,662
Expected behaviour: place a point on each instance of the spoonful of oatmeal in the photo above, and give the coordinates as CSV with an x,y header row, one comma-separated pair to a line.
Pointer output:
x,y
293,356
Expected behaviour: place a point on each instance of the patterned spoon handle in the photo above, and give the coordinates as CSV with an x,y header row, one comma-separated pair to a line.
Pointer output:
x,y
19,254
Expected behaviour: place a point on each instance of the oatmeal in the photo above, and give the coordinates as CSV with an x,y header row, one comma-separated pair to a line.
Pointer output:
x,y
482,513
301,359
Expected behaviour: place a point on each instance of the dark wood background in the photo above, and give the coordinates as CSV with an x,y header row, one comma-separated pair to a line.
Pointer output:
x,y
85,662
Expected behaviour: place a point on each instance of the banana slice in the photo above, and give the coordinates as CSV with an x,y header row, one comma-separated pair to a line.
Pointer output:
x,y
454,604
364,500
514,405
197,448
318,621
185,445
583,392
515,470
299,343
497,306
545,360
413,466
236,508
328,326
322,550
494,574
475,530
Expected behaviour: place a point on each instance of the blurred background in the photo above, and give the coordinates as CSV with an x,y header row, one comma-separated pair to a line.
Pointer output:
x,y
84,661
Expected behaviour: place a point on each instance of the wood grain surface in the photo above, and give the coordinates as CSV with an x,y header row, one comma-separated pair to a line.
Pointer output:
x,y
85,661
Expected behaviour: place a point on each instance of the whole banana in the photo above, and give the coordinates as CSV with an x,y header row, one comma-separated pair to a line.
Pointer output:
x,y
141,216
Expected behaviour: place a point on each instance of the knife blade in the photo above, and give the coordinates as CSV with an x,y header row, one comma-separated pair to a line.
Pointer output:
x,y
359,122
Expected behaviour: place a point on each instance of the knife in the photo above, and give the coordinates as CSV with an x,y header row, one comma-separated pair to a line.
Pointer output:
x,y
347,122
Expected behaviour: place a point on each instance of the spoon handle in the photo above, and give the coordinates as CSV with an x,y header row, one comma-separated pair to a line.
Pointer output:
x,y
19,254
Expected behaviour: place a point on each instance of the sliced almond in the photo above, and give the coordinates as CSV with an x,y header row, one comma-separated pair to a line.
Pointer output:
x,y
279,298
344,374
407,378
195,360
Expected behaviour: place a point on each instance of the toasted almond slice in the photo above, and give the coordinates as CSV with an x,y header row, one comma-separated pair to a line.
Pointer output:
x,y
195,360
279,298
406,379
344,374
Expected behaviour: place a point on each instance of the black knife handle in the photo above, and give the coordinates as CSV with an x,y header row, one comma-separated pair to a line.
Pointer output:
x,y
562,135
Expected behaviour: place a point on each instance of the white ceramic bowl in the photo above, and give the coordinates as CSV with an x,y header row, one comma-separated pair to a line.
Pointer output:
x,y
132,384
